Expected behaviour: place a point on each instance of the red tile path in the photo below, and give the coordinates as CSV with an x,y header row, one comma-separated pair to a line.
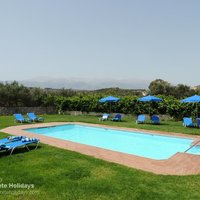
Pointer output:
x,y
179,164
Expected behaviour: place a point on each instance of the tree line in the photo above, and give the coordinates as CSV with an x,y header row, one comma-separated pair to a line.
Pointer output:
x,y
127,105
17,95
161,87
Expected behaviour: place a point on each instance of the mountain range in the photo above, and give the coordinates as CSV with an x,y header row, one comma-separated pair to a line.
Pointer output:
x,y
86,84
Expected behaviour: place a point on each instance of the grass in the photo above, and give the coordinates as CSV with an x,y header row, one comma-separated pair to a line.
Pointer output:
x,y
61,174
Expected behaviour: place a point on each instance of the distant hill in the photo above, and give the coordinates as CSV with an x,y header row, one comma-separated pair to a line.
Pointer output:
x,y
121,92
104,91
86,84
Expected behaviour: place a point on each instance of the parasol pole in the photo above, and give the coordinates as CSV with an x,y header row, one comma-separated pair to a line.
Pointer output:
x,y
150,109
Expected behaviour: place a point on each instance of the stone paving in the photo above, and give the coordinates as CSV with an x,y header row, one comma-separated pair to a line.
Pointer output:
x,y
179,164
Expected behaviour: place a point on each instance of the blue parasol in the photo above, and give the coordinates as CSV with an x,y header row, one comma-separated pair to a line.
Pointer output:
x,y
150,98
192,99
109,99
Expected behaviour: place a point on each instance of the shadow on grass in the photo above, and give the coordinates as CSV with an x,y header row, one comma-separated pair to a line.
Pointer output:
x,y
20,150
193,127
149,123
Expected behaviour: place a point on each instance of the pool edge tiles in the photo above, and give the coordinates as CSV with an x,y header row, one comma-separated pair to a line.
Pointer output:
x,y
188,164
142,144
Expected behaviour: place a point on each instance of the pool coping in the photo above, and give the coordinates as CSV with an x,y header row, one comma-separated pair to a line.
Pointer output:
x,y
179,164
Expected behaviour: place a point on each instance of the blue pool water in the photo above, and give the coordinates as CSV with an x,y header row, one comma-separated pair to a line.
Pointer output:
x,y
141,144
194,150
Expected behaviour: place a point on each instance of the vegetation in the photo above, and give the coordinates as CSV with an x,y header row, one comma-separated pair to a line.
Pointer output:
x,y
161,87
16,95
119,92
128,105
60,174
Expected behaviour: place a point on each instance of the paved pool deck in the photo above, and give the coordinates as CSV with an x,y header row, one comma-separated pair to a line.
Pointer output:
x,y
179,164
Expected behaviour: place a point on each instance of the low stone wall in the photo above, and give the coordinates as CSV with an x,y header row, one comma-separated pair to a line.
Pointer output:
x,y
24,110
98,114
162,117
81,113
52,110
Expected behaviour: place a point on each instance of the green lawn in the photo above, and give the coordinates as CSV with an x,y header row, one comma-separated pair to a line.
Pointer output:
x,y
61,174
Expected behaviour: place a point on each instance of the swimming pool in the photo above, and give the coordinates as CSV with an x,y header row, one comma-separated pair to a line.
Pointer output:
x,y
136,143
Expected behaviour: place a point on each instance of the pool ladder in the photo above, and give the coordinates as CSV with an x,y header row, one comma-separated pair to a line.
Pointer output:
x,y
192,146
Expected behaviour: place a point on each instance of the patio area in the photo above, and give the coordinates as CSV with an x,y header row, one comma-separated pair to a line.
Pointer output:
x,y
179,164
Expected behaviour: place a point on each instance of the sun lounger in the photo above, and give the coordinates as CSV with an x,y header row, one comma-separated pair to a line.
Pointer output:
x,y
11,139
20,143
155,119
187,122
117,118
198,122
21,119
104,117
141,119
34,118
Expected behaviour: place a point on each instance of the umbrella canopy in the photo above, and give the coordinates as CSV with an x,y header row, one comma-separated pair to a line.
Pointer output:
x,y
109,99
192,99
150,98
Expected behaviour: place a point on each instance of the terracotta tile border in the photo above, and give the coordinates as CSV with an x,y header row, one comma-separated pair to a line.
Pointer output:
x,y
179,164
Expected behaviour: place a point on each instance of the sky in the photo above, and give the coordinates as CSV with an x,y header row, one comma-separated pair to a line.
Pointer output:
x,y
96,41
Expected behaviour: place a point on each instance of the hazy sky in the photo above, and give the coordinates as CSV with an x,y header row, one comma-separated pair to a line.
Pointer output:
x,y
104,39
